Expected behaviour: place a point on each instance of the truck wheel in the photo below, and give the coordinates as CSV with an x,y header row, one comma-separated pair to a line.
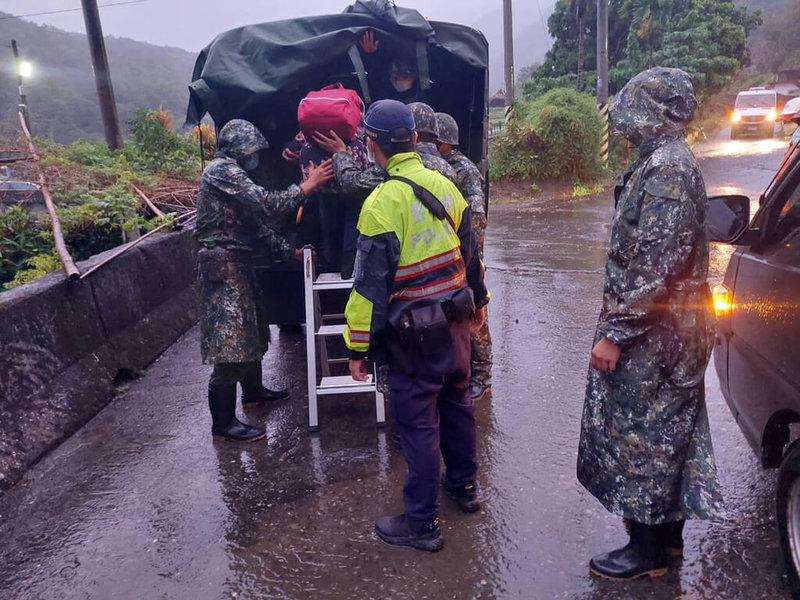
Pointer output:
x,y
788,515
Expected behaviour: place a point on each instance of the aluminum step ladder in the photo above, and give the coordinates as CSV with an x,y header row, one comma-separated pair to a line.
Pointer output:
x,y
317,332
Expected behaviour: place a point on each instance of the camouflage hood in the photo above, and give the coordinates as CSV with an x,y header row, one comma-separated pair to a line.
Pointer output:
x,y
655,104
239,139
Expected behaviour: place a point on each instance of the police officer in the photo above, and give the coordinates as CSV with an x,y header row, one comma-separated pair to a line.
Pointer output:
x,y
418,291
235,218
470,183
645,449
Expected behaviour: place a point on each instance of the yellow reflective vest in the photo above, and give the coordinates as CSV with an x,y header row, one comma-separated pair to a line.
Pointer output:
x,y
406,256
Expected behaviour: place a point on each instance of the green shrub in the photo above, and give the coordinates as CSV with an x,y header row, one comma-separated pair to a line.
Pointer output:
x,y
20,238
513,155
555,136
156,147
37,266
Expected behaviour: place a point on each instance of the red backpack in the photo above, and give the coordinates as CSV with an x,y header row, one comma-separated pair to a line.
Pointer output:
x,y
333,107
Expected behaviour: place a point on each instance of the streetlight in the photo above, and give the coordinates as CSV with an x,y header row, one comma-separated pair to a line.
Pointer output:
x,y
25,69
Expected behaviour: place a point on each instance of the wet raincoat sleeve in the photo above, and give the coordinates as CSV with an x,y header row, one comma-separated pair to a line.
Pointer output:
x,y
669,225
356,182
377,257
234,181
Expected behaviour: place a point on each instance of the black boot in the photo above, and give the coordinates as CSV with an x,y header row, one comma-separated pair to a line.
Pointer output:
x,y
222,403
645,555
673,538
254,391
466,496
401,531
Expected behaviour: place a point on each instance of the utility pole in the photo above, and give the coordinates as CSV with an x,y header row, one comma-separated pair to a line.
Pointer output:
x,y
508,49
102,76
602,52
23,99
602,74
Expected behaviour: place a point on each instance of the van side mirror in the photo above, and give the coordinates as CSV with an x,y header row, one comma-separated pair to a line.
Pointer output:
x,y
728,219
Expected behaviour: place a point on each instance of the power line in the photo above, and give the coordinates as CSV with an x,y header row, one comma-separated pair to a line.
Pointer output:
x,y
66,10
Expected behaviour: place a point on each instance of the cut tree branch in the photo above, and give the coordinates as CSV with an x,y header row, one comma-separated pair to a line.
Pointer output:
x,y
61,247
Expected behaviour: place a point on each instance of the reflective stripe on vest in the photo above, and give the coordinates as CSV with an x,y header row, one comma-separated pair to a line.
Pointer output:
x,y
359,337
429,264
432,289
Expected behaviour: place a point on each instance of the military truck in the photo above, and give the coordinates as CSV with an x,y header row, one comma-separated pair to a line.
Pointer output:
x,y
261,72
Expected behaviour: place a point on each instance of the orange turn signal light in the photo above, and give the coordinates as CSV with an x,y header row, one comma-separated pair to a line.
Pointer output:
x,y
723,300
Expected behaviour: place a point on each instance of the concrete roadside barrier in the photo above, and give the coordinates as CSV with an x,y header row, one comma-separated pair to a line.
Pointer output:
x,y
63,344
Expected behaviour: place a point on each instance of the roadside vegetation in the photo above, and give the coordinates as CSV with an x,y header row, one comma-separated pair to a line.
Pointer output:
x,y
93,188
556,131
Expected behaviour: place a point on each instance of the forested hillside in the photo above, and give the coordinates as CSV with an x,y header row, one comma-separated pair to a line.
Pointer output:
x,y
61,93
776,44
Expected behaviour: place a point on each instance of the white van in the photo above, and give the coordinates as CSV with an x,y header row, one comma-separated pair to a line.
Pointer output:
x,y
755,112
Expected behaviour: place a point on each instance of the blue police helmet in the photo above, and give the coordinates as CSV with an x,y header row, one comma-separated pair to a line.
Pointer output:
x,y
389,122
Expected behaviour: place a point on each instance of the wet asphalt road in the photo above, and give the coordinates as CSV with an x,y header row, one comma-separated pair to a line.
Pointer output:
x,y
141,504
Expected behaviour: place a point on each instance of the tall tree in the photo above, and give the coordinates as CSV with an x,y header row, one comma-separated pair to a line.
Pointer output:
x,y
649,19
578,7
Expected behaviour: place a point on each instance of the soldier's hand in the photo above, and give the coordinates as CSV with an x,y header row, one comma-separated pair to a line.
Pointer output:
x,y
478,319
368,42
358,369
318,175
605,355
332,144
290,156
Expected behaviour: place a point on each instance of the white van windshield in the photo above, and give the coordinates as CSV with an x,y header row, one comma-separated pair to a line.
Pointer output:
x,y
756,101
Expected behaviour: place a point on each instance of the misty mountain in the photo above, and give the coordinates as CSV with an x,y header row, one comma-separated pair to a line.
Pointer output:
x,y
62,97
531,39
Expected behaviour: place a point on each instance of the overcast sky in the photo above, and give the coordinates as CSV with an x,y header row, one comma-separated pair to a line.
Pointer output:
x,y
191,24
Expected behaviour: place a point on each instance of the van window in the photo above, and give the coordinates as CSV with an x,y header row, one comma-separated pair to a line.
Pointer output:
x,y
755,101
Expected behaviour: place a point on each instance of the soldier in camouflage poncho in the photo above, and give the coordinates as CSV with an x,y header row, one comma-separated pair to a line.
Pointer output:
x,y
235,219
428,132
470,183
645,449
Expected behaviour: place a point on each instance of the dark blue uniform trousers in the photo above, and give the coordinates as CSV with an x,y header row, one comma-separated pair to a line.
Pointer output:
x,y
434,414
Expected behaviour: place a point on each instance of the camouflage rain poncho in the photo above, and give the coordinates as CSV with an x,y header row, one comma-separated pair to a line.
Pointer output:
x,y
645,449
235,218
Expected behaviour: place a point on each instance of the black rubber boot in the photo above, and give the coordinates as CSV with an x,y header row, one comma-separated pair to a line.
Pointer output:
x,y
466,496
673,538
401,531
253,389
224,424
644,555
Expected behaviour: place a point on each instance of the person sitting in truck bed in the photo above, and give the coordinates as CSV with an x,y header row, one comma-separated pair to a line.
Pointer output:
x,y
338,212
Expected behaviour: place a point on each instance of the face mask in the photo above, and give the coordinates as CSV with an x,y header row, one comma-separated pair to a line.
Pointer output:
x,y
250,163
402,85
370,156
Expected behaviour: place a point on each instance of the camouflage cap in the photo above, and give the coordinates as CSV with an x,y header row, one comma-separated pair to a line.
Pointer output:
x,y
424,117
655,103
448,129
239,139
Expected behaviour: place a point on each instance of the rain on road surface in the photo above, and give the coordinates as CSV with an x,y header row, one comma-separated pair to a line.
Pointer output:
x,y
141,504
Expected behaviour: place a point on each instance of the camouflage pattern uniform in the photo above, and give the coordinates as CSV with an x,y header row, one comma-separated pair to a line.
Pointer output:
x,y
425,120
236,217
469,182
359,183
645,450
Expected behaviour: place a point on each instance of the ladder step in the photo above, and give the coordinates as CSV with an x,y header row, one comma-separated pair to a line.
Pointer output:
x,y
332,281
331,331
344,384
